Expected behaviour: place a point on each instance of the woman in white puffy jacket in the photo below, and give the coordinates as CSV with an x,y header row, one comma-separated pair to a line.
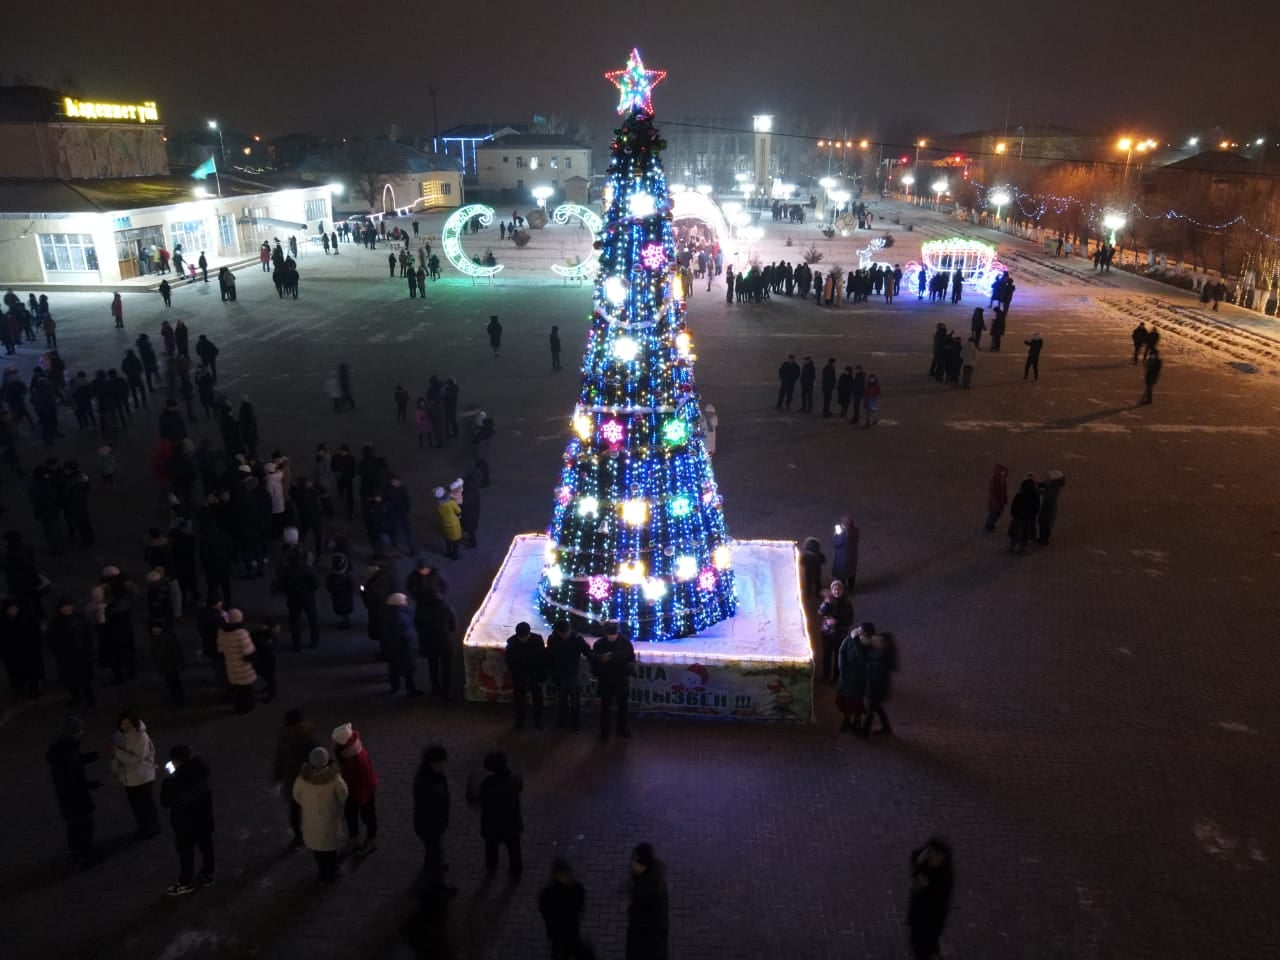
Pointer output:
x,y
133,760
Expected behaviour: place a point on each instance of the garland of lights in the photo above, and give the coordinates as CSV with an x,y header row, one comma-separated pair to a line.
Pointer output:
x,y
638,532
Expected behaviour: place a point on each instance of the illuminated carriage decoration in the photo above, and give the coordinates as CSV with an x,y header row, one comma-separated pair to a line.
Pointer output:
x,y
975,260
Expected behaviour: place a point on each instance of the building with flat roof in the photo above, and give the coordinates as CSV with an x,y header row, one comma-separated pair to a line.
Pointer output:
x,y
461,141
519,162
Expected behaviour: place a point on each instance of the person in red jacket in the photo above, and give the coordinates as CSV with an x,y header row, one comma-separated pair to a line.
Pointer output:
x,y
997,495
362,784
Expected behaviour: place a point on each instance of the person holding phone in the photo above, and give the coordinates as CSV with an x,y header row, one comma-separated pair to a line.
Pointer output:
x,y
186,795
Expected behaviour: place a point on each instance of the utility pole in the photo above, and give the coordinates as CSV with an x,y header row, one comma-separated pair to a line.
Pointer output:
x,y
435,121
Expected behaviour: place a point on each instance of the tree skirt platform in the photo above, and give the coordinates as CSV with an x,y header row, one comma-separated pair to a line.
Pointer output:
x,y
756,665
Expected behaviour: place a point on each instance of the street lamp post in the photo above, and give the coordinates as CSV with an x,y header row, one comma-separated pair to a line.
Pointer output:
x,y
939,188
1000,198
222,156
907,181
1114,223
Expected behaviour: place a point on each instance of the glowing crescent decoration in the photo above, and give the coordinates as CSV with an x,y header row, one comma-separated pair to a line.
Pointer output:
x,y
594,223
452,239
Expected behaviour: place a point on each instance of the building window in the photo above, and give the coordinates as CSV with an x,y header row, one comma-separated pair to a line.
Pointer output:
x,y
519,184
553,163
68,251
313,210
519,163
446,189
568,163
227,230
506,159
533,163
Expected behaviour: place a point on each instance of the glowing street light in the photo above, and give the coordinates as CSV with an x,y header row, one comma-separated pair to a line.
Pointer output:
x,y
337,189
1001,199
939,188
1193,142
864,144
1001,147
828,183
541,193
1113,222
907,181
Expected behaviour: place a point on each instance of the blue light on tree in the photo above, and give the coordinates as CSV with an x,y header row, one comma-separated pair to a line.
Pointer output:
x,y
638,531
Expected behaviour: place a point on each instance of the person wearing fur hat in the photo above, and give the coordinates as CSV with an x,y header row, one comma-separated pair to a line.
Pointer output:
x,y
321,795
450,515
362,784
398,634
236,647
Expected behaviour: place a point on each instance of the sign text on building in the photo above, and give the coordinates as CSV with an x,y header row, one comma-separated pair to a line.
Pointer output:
x,y
89,110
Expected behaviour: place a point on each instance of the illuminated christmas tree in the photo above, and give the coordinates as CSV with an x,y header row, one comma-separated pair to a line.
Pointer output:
x,y
638,531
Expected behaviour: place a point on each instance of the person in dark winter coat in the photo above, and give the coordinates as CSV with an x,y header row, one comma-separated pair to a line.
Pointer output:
x,y
527,660
808,375
844,552
561,904
931,885
555,348
494,329
185,794
1151,375
66,764
648,912
293,747
997,329
342,589
812,559
836,611
566,650
436,623
20,641
612,661
1050,491
470,518
788,374
851,682
501,822
997,495
1034,346
373,593
828,385
70,636
431,818
882,660
399,636
299,585
1022,515
844,391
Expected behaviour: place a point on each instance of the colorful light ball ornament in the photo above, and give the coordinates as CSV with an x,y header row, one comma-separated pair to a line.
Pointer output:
x,y
588,507
598,588
635,513
686,568
615,290
680,507
722,558
655,589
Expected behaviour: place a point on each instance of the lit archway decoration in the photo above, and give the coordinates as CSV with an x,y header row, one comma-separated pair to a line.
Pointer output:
x,y
975,260
585,269
451,238
386,189
691,205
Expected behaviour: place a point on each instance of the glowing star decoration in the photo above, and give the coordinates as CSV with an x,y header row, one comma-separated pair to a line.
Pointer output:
x,y
653,256
631,572
626,349
451,237
635,512
655,589
722,557
588,507
680,507
615,290
686,568
635,85
555,576
707,580
675,432
641,205
613,432
584,269
598,588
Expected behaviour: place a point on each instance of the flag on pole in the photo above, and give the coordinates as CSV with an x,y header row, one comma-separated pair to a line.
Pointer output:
x,y
204,170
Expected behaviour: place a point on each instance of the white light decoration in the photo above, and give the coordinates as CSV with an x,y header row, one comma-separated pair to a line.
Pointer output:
x,y
655,589
684,344
549,552
939,187
722,558
626,349
686,568
451,239
588,507
751,233
706,189
583,426
635,513
541,194
692,205
615,288
631,572
555,575
641,205
586,268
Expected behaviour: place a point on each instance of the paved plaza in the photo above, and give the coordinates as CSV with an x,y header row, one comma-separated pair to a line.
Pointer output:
x,y
1093,725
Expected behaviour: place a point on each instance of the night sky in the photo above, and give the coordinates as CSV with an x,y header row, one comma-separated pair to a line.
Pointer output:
x,y
918,68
